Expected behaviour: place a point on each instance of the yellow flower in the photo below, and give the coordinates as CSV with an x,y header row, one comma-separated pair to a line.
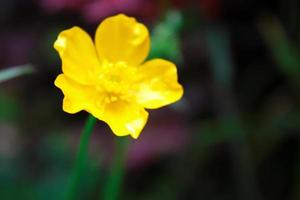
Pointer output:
x,y
109,79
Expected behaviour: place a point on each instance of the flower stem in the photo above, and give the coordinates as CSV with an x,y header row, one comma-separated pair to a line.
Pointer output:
x,y
113,185
81,159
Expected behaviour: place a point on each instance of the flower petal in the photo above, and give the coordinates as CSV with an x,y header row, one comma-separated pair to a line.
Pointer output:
x,y
122,39
125,118
157,85
78,97
78,55
70,107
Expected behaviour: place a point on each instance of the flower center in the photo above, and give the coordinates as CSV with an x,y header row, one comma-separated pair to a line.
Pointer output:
x,y
114,81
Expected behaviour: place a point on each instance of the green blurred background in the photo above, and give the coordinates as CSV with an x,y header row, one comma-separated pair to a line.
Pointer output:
x,y
233,136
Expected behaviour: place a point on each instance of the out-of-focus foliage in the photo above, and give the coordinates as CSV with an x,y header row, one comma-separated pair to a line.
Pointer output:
x,y
165,39
287,55
15,72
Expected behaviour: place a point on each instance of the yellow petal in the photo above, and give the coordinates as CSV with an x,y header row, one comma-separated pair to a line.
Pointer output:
x,y
158,85
71,107
125,118
122,38
78,97
78,55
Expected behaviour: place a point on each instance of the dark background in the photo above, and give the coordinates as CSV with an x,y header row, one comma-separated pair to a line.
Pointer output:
x,y
234,134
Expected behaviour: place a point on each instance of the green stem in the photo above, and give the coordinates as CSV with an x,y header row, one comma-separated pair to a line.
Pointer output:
x,y
81,159
113,185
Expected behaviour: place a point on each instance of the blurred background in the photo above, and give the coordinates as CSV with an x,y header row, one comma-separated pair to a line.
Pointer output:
x,y
233,136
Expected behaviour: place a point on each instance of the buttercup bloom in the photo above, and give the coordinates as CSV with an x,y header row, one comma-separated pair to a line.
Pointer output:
x,y
109,79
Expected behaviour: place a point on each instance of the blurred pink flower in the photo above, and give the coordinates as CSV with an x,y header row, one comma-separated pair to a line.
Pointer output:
x,y
161,137
102,8
166,136
57,5
95,10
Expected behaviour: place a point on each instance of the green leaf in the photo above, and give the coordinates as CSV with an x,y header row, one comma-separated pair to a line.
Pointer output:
x,y
165,39
286,55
